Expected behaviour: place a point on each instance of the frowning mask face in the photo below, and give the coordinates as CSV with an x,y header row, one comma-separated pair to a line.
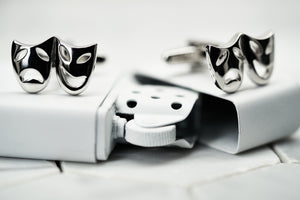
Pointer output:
x,y
75,66
32,64
259,53
226,64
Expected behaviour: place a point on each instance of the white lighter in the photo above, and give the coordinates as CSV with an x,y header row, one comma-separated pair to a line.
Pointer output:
x,y
85,128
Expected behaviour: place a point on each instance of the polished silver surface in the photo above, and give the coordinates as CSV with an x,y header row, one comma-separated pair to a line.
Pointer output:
x,y
259,53
75,66
226,63
32,64
193,53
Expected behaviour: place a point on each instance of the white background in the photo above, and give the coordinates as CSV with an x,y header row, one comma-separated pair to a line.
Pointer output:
x,y
134,33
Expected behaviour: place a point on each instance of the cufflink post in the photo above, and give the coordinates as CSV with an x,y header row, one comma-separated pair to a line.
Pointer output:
x,y
100,59
194,53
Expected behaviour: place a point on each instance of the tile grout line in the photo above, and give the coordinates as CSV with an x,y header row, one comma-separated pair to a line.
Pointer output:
x,y
193,185
59,166
278,154
283,157
190,187
249,170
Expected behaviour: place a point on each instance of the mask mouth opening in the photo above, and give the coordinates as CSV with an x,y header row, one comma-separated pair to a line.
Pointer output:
x,y
262,70
72,81
232,77
31,75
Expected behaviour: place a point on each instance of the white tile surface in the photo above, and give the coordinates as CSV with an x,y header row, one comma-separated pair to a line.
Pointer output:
x,y
72,186
17,164
178,167
14,171
11,178
289,149
276,182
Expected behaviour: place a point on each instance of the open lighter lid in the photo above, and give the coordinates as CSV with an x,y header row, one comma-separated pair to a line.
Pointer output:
x,y
251,117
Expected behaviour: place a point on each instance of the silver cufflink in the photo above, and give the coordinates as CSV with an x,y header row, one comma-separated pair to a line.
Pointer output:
x,y
75,66
226,62
33,63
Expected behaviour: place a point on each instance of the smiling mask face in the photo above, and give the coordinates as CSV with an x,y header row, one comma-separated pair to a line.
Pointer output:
x,y
74,66
226,64
259,53
32,64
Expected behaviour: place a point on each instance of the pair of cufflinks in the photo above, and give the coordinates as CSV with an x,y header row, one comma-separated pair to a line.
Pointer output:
x,y
74,65
33,63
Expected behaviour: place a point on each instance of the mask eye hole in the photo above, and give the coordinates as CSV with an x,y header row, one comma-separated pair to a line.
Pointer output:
x,y
64,53
238,53
20,55
255,47
83,58
42,54
222,57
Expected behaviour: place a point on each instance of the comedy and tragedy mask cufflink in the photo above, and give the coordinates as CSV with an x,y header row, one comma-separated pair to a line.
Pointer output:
x,y
75,66
226,63
33,63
